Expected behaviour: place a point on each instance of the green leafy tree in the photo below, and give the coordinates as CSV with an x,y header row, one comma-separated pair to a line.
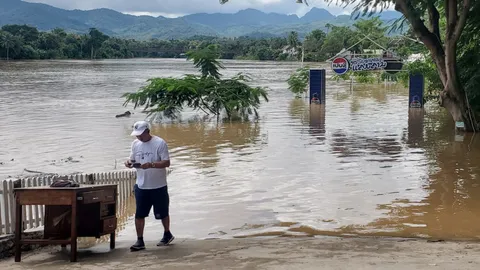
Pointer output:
x,y
299,80
29,34
293,41
95,41
313,46
340,37
9,42
374,29
208,92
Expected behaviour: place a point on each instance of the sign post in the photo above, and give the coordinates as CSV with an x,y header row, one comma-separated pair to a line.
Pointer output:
x,y
317,86
416,88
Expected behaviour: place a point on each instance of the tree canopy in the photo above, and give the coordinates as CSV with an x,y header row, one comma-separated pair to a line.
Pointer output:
x,y
208,92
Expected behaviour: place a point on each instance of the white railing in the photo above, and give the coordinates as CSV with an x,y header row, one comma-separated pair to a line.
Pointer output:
x,y
33,215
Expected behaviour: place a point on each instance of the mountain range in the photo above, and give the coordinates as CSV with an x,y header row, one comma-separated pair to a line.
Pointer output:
x,y
248,22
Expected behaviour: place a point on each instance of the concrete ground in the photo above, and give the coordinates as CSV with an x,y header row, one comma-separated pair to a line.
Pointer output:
x,y
264,253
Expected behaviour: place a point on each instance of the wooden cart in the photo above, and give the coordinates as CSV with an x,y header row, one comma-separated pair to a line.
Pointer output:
x,y
70,212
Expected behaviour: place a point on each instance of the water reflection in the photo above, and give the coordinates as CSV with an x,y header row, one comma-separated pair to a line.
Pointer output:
x,y
415,127
200,144
298,109
344,145
450,207
317,121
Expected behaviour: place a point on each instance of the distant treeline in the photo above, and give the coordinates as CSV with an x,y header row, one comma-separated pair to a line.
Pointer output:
x,y
26,42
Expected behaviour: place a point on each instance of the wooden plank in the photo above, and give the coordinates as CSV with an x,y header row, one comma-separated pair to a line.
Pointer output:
x,y
11,206
55,197
30,207
36,183
6,205
1,211
18,232
73,232
46,241
24,207
91,178
124,185
42,207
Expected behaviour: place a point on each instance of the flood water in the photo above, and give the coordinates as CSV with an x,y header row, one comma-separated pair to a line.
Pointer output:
x,y
363,164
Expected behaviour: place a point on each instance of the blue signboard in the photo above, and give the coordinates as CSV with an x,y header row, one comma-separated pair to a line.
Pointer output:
x,y
317,86
416,90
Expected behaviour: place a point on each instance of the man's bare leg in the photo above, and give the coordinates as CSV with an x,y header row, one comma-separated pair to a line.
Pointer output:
x,y
165,223
140,226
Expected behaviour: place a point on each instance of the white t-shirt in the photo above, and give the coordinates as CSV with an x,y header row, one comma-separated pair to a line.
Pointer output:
x,y
152,151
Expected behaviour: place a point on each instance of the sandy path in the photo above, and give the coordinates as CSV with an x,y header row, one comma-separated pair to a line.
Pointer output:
x,y
266,253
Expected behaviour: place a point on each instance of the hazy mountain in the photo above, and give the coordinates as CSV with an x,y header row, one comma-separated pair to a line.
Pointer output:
x,y
317,14
246,22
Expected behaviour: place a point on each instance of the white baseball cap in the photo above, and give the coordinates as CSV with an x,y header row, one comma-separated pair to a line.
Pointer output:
x,y
140,127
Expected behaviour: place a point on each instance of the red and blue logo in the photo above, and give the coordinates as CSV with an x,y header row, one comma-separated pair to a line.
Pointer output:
x,y
340,65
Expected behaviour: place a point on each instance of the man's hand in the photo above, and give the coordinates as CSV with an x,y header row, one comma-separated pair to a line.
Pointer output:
x,y
147,165
128,164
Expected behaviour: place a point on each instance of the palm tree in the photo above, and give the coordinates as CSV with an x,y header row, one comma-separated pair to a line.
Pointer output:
x,y
7,41
328,26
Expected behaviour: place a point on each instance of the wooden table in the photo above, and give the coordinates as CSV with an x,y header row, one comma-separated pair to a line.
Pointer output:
x,y
70,212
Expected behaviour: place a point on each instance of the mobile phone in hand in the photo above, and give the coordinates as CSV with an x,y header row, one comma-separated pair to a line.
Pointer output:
x,y
136,165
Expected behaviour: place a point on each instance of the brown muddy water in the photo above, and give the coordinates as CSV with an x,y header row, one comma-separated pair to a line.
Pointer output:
x,y
360,165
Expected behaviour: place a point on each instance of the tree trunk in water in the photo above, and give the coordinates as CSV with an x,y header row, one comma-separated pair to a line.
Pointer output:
x,y
91,53
453,97
7,52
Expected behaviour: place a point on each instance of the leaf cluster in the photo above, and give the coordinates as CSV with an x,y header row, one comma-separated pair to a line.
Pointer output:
x,y
299,80
207,92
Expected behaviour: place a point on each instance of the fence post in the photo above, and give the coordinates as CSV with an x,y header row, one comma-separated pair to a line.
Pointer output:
x,y
91,179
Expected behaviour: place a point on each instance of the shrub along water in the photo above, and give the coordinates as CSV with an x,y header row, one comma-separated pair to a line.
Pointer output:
x,y
209,92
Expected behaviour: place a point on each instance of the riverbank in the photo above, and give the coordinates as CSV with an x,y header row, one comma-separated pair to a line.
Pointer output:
x,y
265,253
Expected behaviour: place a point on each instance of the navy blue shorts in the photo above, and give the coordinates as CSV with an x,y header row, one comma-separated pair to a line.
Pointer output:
x,y
146,198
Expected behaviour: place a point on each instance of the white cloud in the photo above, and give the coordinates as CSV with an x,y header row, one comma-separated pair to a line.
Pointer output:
x,y
155,14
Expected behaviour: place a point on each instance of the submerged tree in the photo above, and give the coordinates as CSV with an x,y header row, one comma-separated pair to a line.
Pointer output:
x,y
208,92
443,48
298,81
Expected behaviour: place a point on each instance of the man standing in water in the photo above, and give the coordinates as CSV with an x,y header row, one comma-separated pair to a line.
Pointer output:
x,y
149,155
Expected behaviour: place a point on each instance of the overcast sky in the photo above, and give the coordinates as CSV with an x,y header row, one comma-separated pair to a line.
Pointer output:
x,y
175,8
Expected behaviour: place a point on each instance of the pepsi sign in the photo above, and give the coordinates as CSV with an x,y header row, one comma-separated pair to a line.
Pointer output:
x,y
340,65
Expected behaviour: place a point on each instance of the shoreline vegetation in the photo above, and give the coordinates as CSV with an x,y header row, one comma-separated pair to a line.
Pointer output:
x,y
23,42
